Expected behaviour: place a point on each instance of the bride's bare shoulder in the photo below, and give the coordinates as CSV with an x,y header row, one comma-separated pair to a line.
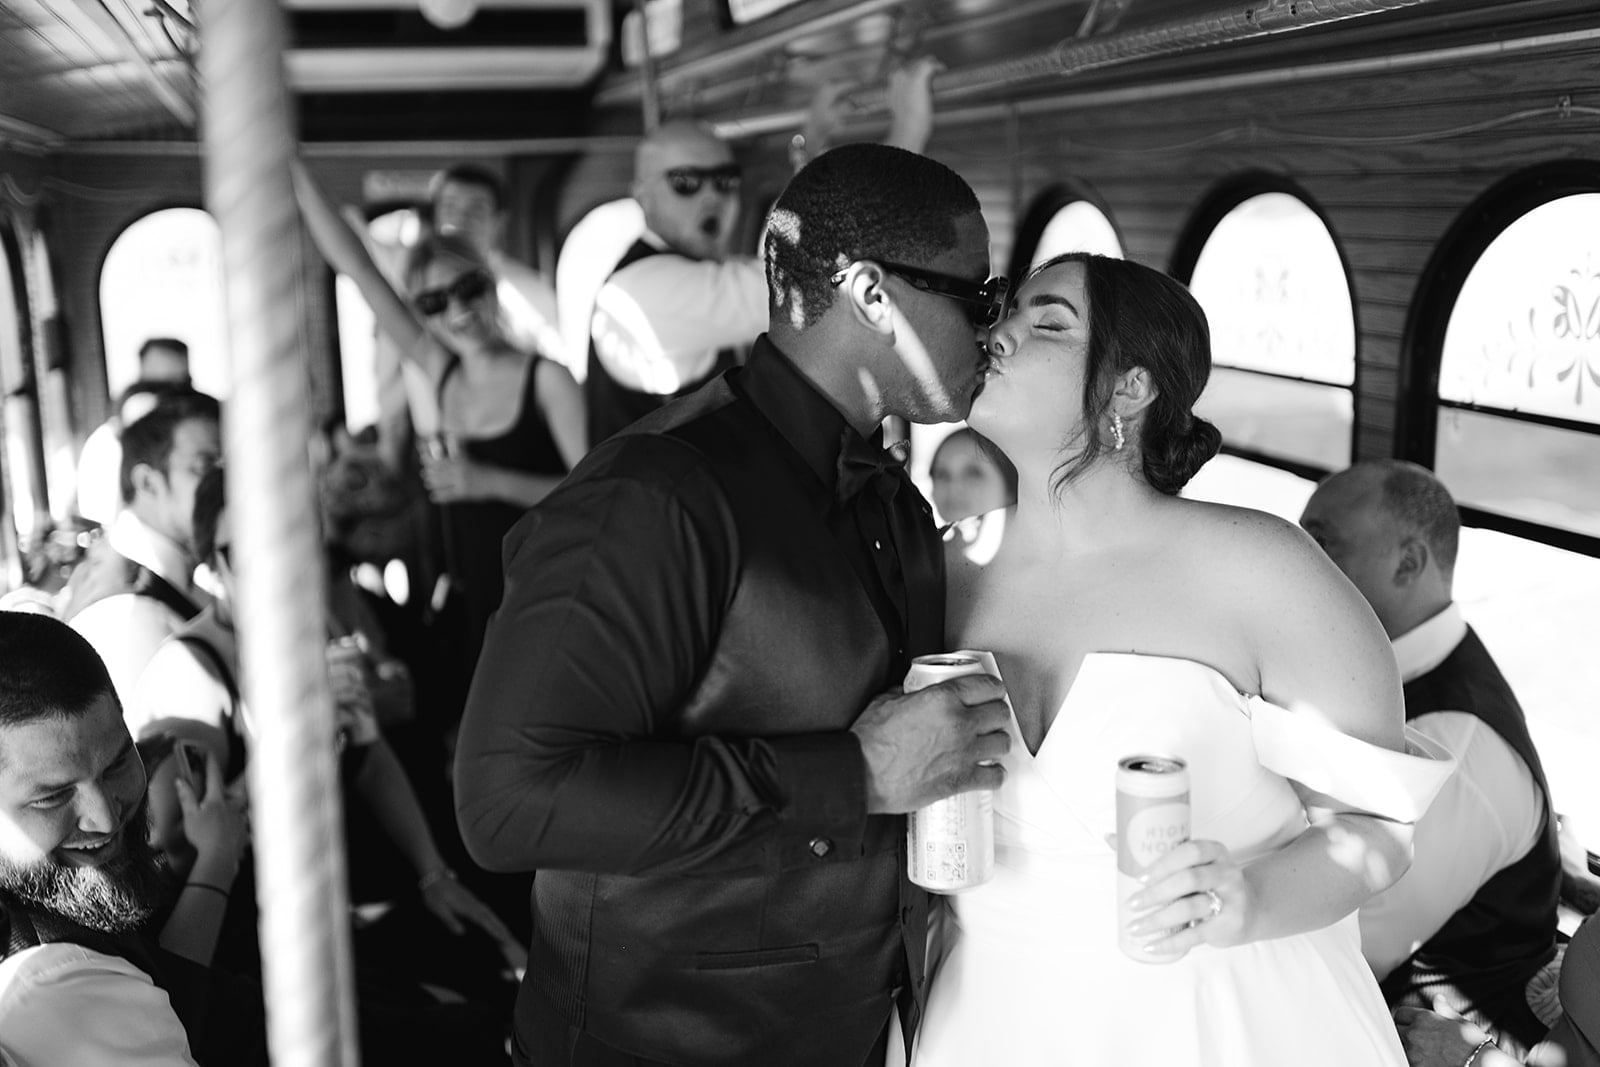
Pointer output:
x,y
1249,546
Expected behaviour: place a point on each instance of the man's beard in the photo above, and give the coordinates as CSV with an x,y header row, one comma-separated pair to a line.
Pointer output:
x,y
117,896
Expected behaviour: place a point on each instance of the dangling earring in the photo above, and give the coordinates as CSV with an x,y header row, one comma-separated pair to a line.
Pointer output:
x,y
1116,431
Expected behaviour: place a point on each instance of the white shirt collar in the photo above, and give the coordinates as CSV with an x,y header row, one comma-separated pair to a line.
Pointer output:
x,y
1423,647
169,560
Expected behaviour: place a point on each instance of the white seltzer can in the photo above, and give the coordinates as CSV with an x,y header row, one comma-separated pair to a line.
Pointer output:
x,y
1152,819
949,843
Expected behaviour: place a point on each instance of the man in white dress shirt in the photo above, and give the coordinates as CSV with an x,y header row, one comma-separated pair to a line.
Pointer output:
x,y
679,307
163,361
1475,918
138,587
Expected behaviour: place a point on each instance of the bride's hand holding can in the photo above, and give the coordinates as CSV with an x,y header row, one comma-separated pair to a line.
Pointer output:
x,y
1194,895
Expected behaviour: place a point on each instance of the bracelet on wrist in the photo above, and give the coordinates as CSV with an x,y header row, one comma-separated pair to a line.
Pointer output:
x,y
434,877
207,886
1485,1043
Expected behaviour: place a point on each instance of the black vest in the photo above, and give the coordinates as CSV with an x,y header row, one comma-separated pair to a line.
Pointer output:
x,y
611,405
1484,955
642,963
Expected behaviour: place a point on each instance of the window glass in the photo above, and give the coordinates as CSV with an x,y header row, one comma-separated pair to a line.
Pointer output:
x,y
1524,339
1524,334
1282,332
1545,474
1274,290
591,251
163,278
1301,421
1078,227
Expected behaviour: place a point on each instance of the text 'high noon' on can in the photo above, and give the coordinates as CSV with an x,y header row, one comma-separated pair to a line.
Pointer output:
x,y
1152,819
949,843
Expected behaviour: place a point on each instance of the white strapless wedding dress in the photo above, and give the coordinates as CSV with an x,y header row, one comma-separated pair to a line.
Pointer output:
x,y
1032,974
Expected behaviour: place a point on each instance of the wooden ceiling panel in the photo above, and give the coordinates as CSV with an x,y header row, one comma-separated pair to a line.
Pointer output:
x,y
69,66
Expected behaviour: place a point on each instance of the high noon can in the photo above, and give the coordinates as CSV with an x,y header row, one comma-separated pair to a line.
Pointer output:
x,y
1152,819
949,843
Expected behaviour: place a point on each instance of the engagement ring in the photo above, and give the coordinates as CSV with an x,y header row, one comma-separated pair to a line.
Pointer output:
x,y
1216,904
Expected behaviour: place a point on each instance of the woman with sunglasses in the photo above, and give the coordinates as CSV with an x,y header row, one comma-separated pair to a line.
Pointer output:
x,y
512,422
1133,622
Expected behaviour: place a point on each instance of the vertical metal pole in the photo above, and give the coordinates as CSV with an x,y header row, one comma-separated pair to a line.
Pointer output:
x,y
295,812
649,98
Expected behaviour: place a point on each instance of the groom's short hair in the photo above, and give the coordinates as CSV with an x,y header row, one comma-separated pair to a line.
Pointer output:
x,y
858,201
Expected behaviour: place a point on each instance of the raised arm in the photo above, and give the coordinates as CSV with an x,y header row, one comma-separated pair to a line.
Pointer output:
x,y
345,252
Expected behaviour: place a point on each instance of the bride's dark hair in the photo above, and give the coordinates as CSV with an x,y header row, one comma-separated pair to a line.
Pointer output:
x,y
1139,317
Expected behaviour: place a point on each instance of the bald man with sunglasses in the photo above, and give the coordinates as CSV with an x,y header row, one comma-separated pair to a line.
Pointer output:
x,y
679,308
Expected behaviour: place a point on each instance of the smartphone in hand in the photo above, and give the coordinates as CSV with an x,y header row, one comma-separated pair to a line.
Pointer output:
x,y
192,765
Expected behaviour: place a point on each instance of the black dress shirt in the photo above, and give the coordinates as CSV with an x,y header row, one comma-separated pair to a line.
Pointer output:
x,y
615,594
659,724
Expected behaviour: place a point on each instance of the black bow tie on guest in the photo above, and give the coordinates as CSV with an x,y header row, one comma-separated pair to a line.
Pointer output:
x,y
860,463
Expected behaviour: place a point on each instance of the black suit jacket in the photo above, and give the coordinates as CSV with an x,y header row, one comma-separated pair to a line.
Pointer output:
x,y
659,726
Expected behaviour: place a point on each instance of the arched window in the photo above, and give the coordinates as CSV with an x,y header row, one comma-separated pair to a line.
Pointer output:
x,y
1518,428
1502,360
163,278
1063,218
1265,267
588,255
1077,227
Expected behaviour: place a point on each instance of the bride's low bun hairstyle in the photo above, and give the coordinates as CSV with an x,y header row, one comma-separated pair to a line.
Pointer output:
x,y
1171,459
1139,317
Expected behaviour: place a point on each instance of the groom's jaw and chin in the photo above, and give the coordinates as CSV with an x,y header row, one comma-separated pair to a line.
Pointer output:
x,y
112,887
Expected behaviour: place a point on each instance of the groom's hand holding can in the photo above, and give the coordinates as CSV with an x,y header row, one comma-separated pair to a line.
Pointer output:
x,y
924,746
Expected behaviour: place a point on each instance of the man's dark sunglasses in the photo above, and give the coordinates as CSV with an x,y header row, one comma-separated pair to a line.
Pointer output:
x,y
985,301
465,289
686,181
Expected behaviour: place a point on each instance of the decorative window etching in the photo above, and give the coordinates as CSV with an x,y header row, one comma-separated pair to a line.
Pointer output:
x,y
1078,227
1524,334
1274,289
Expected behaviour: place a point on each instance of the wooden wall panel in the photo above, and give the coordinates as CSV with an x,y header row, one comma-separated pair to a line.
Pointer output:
x,y
1447,136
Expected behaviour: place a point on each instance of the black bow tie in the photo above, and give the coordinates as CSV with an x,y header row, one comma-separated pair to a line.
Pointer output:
x,y
861,462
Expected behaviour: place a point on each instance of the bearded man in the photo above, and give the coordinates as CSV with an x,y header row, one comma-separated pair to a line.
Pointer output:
x,y
80,981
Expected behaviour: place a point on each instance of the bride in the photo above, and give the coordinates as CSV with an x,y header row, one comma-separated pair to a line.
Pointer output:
x,y
1127,620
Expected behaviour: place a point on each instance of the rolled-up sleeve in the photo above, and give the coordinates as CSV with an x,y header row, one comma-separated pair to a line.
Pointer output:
x,y
572,753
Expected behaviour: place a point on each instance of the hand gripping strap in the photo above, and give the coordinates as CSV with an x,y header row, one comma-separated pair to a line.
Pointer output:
x,y
1394,785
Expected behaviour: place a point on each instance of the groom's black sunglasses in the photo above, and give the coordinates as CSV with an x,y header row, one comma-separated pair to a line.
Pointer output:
x,y
985,301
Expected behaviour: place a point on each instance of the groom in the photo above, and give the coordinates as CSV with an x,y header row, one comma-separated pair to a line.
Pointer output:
x,y
680,716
